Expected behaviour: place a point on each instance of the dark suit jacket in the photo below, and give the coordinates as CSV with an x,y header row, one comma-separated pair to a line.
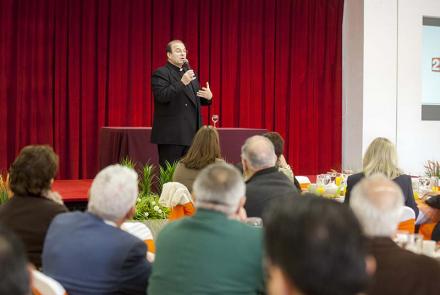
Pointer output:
x,y
399,271
264,186
88,256
176,107
29,218
404,182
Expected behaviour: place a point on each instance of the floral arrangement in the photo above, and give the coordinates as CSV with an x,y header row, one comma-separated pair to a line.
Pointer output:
x,y
148,207
147,203
432,168
3,191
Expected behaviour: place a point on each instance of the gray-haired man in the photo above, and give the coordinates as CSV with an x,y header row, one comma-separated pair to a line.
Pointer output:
x,y
211,252
377,202
264,181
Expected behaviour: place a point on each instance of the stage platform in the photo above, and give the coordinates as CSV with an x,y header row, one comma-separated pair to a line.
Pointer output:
x,y
75,193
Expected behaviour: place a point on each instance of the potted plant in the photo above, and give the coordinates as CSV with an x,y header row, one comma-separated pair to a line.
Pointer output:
x,y
4,192
148,209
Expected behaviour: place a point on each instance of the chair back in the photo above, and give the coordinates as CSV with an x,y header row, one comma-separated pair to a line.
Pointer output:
x,y
407,220
177,197
141,231
45,285
304,182
181,211
427,230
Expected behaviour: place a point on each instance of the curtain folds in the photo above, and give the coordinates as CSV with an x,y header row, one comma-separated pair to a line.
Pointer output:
x,y
69,67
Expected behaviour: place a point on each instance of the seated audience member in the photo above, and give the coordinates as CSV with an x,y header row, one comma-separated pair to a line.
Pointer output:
x,y
281,164
381,157
315,246
430,229
264,182
14,270
33,206
210,252
87,252
377,202
204,150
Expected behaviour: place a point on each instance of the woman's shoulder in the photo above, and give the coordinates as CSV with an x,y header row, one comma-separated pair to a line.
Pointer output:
x,y
356,176
181,167
403,178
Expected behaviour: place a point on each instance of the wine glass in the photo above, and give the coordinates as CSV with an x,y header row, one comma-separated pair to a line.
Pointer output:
x,y
323,179
424,185
254,221
214,119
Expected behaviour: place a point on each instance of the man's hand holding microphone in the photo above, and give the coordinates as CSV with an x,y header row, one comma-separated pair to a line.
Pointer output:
x,y
189,75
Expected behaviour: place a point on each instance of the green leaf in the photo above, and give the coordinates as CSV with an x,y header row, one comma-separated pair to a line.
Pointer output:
x,y
127,162
3,191
166,174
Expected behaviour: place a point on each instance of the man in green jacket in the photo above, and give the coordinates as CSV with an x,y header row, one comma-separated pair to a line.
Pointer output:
x,y
211,252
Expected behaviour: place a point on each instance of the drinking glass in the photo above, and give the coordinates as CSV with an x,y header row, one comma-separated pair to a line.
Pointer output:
x,y
424,185
415,243
434,183
323,179
214,119
254,221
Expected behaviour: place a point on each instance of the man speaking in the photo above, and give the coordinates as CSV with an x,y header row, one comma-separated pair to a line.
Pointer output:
x,y
177,101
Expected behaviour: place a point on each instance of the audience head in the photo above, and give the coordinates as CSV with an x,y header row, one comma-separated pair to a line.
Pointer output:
x,y
257,153
381,157
377,202
204,150
220,187
113,193
277,141
14,272
314,246
33,170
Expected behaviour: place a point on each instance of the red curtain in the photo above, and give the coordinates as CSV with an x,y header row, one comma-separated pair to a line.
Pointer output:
x,y
69,67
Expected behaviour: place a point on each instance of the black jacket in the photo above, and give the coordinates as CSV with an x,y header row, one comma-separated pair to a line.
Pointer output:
x,y
176,107
265,186
404,182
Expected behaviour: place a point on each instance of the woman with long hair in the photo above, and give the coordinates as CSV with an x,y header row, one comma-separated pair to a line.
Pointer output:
x,y
381,157
204,150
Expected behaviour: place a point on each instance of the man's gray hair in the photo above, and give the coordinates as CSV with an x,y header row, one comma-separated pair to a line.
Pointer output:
x,y
378,203
113,193
219,185
259,152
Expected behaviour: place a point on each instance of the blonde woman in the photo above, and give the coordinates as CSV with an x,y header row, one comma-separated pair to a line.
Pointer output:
x,y
204,150
381,157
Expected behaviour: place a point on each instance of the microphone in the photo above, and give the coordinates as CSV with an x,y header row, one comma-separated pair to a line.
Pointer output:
x,y
186,65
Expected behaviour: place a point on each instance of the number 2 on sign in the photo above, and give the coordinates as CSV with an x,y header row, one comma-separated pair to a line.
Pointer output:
x,y
435,64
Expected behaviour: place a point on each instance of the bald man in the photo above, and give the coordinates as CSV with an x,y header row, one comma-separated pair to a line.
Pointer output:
x,y
377,202
263,180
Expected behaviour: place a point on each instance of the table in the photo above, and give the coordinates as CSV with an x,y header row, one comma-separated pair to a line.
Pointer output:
x,y
116,143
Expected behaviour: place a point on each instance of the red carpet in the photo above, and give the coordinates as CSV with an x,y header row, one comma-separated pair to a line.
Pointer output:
x,y
73,190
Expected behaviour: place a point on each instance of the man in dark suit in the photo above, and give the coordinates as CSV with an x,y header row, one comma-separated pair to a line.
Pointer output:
x,y
87,252
177,101
377,203
264,182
